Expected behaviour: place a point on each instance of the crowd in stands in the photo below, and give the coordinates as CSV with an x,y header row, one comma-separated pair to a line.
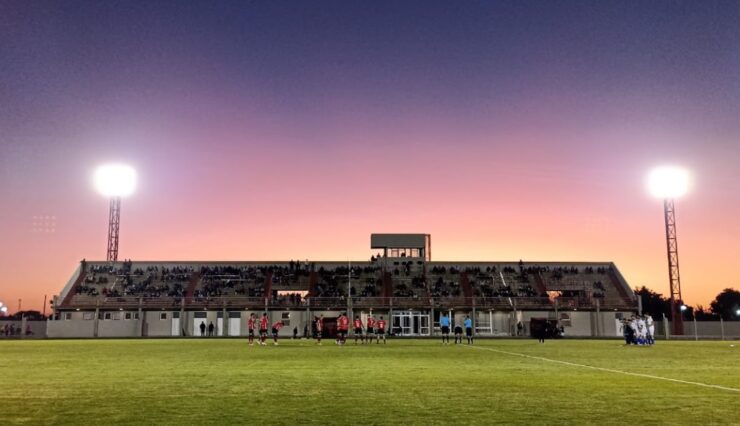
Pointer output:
x,y
366,281
229,280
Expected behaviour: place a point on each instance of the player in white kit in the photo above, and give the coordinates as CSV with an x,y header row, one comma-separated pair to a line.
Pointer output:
x,y
650,329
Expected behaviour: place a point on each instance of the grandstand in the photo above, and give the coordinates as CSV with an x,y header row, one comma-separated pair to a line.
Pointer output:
x,y
400,282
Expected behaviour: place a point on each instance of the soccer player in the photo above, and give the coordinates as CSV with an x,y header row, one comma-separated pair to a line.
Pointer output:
x,y
358,329
458,334
250,328
369,330
650,329
342,328
380,330
275,330
263,328
468,330
319,328
444,324
641,331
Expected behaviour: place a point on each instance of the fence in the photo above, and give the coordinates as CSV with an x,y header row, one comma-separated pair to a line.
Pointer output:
x,y
696,330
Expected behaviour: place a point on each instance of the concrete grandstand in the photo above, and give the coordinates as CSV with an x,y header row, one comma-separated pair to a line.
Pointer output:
x,y
400,282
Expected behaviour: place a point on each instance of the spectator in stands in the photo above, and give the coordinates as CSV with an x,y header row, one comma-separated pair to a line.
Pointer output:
x,y
202,329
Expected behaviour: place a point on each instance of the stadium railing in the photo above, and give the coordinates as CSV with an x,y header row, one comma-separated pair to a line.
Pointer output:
x,y
338,303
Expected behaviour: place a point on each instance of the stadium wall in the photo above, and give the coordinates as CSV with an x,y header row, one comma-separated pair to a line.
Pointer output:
x,y
233,323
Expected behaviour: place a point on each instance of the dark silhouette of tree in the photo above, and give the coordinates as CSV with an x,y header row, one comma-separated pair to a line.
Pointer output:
x,y
726,304
654,303
704,314
30,316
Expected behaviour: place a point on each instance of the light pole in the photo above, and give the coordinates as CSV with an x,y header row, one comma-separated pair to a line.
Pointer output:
x,y
669,183
114,181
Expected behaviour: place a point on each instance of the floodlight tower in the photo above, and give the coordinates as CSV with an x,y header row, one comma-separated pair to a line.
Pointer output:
x,y
669,183
114,181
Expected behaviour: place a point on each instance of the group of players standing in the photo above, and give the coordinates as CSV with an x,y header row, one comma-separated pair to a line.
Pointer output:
x,y
264,322
444,325
639,330
374,329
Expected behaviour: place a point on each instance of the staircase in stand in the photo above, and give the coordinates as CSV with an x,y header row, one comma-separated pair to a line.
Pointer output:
x,y
466,287
387,285
313,281
540,283
194,279
73,291
268,285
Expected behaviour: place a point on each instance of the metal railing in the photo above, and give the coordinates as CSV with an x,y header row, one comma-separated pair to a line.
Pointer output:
x,y
331,303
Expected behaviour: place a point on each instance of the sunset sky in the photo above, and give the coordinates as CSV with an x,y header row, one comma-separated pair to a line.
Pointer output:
x,y
280,130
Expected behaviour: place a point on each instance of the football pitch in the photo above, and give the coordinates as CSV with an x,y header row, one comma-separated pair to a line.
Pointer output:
x,y
217,381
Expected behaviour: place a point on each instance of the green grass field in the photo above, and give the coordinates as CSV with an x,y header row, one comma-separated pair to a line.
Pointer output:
x,y
216,381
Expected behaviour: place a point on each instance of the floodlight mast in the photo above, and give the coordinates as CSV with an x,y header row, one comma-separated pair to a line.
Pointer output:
x,y
674,276
668,183
114,225
114,181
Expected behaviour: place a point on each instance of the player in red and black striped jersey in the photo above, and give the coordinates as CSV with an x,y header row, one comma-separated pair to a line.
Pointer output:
x,y
342,328
380,330
369,330
264,322
250,328
275,330
358,329
319,328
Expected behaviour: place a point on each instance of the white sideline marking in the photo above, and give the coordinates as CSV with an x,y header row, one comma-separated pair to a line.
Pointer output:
x,y
610,370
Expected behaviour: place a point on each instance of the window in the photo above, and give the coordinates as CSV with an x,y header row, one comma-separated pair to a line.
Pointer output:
x,y
127,315
68,315
87,316
107,316
163,315
565,320
136,315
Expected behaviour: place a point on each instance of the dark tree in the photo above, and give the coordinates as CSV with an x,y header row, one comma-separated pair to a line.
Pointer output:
x,y
726,304
704,314
654,303
30,316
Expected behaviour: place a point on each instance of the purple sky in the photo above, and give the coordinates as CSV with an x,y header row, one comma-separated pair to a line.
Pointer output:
x,y
278,130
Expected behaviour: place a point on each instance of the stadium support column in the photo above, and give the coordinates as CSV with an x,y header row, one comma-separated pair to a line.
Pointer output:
x,y
183,320
224,322
141,318
97,319
431,319
673,272
474,318
598,318
114,225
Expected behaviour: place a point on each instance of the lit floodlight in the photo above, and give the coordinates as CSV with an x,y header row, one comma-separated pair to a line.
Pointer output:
x,y
115,180
4,309
683,308
737,312
668,182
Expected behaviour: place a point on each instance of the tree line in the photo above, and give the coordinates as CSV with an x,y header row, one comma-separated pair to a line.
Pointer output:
x,y
725,305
